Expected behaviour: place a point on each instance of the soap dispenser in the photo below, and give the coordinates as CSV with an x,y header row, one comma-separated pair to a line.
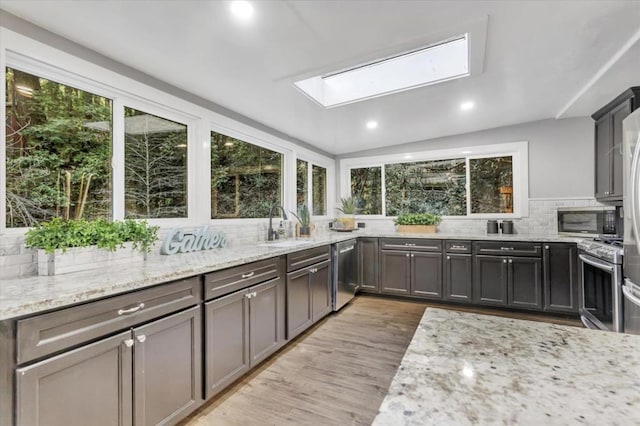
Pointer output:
x,y
281,232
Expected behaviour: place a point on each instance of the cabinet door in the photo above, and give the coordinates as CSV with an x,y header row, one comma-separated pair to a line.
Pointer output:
x,y
91,385
457,277
266,311
227,341
603,156
490,280
299,313
426,275
368,265
617,115
525,283
560,277
167,370
395,271
320,290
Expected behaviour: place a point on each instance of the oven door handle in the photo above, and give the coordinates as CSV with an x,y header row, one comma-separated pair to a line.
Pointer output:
x,y
626,290
596,263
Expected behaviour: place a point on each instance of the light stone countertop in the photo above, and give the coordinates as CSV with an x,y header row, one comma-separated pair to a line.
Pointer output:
x,y
30,295
470,369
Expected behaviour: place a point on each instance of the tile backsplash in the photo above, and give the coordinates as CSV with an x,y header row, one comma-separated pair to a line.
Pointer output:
x,y
16,260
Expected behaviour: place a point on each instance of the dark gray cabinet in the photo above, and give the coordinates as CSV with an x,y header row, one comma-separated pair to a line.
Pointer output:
x,y
149,375
560,277
608,144
242,329
411,267
308,288
457,271
513,281
368,264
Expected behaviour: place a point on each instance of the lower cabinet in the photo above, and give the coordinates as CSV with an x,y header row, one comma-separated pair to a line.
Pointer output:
x,y
368,265
411,273
560,277
308,296
457,277
508,281
149,375
241,330
395,272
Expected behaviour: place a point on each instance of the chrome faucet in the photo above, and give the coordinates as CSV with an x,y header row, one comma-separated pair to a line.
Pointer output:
x,y
271,234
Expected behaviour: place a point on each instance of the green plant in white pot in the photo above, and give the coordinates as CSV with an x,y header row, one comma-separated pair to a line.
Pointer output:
x,y
348,210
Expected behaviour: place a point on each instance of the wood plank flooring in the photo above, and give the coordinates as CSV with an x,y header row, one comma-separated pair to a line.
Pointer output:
x,y
336,373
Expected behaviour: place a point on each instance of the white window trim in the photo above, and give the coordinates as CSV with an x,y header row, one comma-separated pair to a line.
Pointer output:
x,y
309,196
518,150
48,62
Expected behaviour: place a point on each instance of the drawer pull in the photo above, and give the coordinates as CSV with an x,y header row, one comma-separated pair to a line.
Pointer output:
x,y
458,247
131,310
128,343
141,338
507,248
409,244
249,275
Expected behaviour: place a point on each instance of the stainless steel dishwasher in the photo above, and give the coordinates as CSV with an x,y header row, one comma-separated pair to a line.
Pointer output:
x,y
345,273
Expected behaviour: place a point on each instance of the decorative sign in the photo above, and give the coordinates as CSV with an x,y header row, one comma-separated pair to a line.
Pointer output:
x,y
203,238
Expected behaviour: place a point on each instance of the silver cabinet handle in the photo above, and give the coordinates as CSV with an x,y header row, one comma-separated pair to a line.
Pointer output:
x,y
131,310
504,260
546,247
313,270
254,294
141,338
128,343
407,254
454,247
248,295
249,275
507,248
413,255
510,260
448,257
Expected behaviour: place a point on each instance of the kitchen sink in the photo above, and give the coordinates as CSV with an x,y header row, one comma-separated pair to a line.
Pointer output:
x,y
286,243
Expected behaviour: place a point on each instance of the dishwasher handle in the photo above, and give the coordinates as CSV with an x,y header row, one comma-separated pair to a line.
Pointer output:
x,y
347,249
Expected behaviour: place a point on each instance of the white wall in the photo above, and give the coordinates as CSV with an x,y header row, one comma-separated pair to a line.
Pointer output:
x,y
561,153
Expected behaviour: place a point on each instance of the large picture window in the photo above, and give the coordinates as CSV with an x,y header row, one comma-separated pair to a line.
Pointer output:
x,y
490,183
246,179
155,166
58,151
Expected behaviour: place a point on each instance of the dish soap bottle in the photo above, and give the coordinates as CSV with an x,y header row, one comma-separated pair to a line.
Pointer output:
x,y
281,232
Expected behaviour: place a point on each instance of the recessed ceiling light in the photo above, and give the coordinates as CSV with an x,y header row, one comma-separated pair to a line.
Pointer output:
x,y
242,9
466,106
372,124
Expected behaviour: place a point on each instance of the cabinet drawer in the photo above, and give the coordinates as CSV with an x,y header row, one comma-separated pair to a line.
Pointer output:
x,y
457,246
413,244
507,248
308,257
52,332
227,281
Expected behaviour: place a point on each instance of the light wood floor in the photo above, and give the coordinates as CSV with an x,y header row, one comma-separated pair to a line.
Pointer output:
x,y
337,373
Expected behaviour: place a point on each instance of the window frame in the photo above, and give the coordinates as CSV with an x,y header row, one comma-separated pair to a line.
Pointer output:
x,y
309,197
517,150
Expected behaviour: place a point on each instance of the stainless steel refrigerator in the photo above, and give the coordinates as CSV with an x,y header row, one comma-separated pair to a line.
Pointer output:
x,y
631,266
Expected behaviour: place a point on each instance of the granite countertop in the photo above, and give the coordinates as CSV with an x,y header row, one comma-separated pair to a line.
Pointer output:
x,y
29,295
470,369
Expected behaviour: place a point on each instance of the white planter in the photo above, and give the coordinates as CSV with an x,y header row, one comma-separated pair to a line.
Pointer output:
x,y
86,258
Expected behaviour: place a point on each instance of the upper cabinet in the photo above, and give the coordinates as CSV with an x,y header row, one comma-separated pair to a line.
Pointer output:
x,y
608,146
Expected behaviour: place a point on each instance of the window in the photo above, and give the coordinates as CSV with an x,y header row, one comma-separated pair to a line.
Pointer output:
x,y
302,182
491,185
155,166
366,188
480,181
319,185
426,187
58,151
246,179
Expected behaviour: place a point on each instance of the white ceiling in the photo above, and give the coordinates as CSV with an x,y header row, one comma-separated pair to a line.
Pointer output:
x,y
543,59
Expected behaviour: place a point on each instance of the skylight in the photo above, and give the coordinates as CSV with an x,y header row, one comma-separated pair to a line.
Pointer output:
x,y
440,62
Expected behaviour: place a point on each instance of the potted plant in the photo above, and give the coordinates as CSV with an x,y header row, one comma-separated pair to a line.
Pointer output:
x,y
417,222
78,245
348,209
304,221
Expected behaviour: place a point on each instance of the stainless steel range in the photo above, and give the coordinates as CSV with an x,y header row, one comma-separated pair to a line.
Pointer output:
x,y
600,292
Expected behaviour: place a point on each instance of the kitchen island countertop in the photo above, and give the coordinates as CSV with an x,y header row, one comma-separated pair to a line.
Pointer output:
x,y
469,369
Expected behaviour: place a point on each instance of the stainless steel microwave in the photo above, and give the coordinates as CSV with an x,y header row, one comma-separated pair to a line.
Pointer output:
x,y
601,221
